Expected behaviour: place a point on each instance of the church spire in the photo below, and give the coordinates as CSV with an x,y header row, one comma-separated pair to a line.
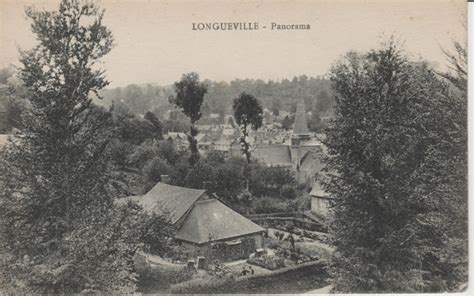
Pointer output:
x,y
300,127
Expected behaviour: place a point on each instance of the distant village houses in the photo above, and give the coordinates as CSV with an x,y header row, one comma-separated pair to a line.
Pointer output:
x,y
179,140
301,153
297,149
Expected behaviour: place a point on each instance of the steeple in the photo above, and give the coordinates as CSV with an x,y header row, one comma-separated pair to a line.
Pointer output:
x,y
300,127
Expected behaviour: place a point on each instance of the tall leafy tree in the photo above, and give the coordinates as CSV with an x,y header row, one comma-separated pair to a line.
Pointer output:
x,y
457,63
158,129
248,113
189,97
452,158
397,175
61,232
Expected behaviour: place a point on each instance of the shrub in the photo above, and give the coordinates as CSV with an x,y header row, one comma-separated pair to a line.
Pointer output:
x,y
288,191
266,205
279,235
268,262
153,169
218,269
178,253
142,154
273,245
158,278
296,256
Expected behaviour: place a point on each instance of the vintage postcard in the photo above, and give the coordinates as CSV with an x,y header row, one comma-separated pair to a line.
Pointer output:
x,y
222,147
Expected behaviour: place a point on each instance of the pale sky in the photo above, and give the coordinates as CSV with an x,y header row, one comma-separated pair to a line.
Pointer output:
x,y
155,42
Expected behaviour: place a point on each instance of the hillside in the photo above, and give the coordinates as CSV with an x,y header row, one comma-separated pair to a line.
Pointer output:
x,y
274,95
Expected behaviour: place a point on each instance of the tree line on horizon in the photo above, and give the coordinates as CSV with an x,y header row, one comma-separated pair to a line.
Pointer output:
x,y
274,95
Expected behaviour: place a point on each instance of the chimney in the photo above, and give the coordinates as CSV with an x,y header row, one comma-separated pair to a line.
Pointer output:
x,y
165,179
206,185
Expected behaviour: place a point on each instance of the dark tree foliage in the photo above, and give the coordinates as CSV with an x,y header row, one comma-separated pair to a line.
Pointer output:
x,y
134,130
223,174
397,176
167,151
287,122
324,102
154,169
61,230
158,129
315,124
14,111
189,97
248,113
227,178
12,107
275,107
270,181
175,125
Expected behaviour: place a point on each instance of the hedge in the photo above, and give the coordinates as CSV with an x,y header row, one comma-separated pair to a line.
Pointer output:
x,y
268,215
158,278
274,222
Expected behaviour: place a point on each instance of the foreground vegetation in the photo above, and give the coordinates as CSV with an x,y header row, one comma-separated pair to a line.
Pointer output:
x,y
398,174
61,231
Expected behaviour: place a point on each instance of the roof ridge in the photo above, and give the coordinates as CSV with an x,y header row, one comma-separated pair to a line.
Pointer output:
x,y
213,221
199,227
176,186
206,200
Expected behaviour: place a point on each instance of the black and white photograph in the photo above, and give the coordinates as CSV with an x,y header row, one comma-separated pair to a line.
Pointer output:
x,y
233,147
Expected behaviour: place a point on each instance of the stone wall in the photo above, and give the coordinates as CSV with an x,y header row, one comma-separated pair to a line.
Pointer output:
x,y
299,278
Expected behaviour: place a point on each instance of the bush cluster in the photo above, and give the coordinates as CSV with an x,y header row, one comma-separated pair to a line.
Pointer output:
x,y
268,262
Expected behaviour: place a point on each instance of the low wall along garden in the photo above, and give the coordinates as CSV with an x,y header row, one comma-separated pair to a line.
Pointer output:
x,y
311,275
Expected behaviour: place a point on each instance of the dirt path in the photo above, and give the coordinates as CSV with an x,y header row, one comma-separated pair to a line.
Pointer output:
x,y
157,260
323,290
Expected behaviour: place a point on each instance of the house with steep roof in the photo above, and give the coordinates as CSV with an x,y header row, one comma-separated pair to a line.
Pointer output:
x,y
222,145
273,155
204,225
